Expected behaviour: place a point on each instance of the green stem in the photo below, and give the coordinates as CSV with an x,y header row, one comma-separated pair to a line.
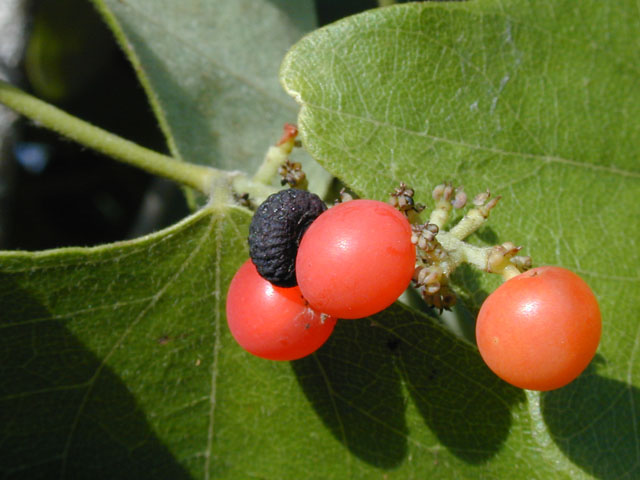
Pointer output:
x,y
276,156
199,177
509,272
386,3
273,160
462,252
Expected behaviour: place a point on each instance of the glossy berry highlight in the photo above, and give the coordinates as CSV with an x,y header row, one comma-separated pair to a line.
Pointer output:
x,y
540,329
355,259
273,322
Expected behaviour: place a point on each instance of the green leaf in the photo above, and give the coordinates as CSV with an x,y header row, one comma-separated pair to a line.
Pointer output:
x,y
537,102
210,70
110,355
117,363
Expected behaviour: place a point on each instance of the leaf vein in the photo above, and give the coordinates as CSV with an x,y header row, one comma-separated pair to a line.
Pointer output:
x,y
217,344
497,151
152,302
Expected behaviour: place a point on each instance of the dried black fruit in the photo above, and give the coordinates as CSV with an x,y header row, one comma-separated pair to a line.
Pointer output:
x,y
276,230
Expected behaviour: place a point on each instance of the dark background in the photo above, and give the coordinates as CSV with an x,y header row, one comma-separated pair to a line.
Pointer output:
x,y
70,195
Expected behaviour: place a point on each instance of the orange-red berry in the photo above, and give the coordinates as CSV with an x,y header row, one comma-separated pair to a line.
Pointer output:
x,y
273,322
540,329
355,259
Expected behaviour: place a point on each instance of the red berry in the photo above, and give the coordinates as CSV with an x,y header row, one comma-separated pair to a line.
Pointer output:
x,y
540,329
355,259
273,322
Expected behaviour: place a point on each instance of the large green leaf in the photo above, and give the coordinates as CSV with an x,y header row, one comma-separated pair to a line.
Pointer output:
x,y
536,101
210,69
117,363
109,354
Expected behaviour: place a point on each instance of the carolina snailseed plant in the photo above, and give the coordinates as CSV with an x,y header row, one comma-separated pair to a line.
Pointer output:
x,y
116,361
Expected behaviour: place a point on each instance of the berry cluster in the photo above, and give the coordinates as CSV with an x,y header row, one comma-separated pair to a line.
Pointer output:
x,y
352,261
311,265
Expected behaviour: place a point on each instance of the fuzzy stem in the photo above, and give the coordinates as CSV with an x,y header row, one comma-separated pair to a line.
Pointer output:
x,y
276,156
509,272
469,224
440,215
462,252
196,176
257,190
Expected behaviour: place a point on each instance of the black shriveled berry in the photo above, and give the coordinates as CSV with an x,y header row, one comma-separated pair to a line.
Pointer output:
x,y
276,230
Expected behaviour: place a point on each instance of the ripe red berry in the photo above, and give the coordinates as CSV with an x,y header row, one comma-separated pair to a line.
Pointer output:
x,y
540,329
355,259
273,322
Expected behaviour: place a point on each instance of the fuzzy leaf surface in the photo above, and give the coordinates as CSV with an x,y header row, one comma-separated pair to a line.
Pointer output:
x,y
115,362
110,352
537,102
210,70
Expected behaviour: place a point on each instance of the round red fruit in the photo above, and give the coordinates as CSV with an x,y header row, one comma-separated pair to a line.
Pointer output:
x,y
540,329
355,259
273,322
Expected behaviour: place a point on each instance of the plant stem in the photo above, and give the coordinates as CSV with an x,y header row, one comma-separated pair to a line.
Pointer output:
x,y
199,177
462,252
276,156
386,3
509,272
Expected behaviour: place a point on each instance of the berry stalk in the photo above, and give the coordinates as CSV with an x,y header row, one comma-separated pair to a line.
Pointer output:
x,y
440,252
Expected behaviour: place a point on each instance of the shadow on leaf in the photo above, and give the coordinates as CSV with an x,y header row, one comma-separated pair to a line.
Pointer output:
x,y
462,402
469,288
355,389
488,235
355,385
595,422
63,413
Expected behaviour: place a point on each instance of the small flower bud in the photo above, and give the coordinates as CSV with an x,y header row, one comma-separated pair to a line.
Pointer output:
x,y
438,191
460,199
481,198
